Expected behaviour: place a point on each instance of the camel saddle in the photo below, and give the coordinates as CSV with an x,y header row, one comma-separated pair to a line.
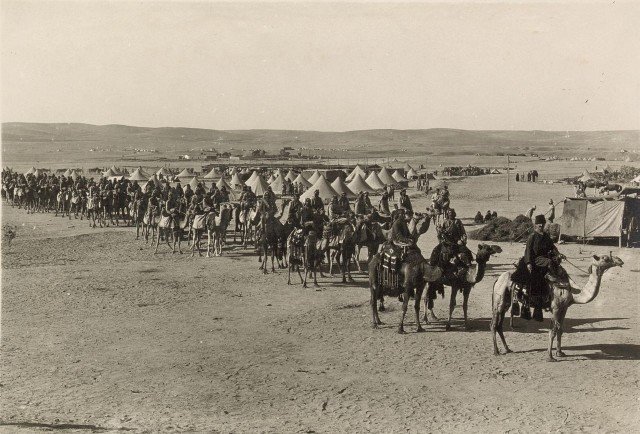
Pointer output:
x,y
297,238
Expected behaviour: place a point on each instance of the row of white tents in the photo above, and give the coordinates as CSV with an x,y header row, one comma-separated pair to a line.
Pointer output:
x,y
356,182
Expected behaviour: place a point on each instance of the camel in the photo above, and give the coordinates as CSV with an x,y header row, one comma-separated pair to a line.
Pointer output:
x,y
271,237
413,274
198,226
474,275
173,225
217,230
149,222
562,296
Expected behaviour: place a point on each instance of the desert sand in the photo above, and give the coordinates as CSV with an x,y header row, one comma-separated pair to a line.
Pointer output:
x,y
100,334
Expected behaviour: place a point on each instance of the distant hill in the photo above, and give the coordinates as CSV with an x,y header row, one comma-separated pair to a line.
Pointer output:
x,y
379,141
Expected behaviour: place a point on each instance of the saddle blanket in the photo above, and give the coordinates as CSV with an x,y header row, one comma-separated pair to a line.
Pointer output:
x,y
199,221
166,222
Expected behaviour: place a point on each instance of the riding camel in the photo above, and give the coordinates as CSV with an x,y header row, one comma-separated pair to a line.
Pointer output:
x,y
474,274
217,230
563,295
410,277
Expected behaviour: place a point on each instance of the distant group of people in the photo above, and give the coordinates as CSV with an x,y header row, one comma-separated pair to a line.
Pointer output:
x,y
530,176
490,215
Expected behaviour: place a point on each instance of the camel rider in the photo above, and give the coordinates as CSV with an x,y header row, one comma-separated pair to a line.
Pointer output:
x,y
224,195
188,193
316,202
295,208
404,201
207,203
400,234
383,205
247,198
270,199
344,202
179,189
452,248
367,203
360,206
335,208
306,215
542,258
170,206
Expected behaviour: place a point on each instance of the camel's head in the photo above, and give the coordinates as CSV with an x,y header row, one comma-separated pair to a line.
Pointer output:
x,y
605,262
485,251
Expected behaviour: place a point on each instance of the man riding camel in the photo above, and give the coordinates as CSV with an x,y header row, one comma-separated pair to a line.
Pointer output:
x,y
316,201
404,202
452,249
383,205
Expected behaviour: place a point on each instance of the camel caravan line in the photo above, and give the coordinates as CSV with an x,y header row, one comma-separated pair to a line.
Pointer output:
x,y
302,233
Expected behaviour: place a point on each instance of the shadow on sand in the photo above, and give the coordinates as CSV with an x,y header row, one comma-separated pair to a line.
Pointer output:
x,y
598,351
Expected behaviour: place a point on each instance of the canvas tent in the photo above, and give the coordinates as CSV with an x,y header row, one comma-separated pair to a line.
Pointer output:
x,y
599,217
164,172
184,174
109,174
322,185
314,177
398,177
277,184
222,183
213,174
235,181
32,170
340,187
408,168
636,179
259,186
74,175
67,173
302,180
115,170
271,179
291,176
374,181
358,185
252,179
137,175
386,177
411,174
193,183
356,171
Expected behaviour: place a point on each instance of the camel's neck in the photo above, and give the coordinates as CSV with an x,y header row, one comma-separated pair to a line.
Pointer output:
x,y
590,289
476,272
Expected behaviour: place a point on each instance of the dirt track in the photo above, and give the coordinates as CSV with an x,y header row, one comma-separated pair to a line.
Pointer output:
x,y
98,331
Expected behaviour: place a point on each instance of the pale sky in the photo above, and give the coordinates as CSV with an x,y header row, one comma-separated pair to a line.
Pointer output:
x,y
323,66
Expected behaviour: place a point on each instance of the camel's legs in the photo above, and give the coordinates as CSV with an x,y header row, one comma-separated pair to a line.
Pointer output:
x,y
416,306
209,236
560,320
405,304
452,306
465,304
374,307
158,241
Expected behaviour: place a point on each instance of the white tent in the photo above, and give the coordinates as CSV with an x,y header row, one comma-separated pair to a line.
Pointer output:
x,y
356,171
213,174
302,180
358,185
185,174
32,170
397,176
236,182
259,186
291,176
67,173
586,177
374,181
109,174
115,170
74,175
340,187
137,175
407,167
252,178
277,184
322,185
193,183
314,177
386,177
222,183
411,174
271,179
164,172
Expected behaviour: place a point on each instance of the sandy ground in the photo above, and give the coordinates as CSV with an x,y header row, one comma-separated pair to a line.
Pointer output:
x,y
98,333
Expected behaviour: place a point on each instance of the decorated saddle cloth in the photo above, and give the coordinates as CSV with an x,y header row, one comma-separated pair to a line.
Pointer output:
x,y
166,222
297,238
199,221
391,256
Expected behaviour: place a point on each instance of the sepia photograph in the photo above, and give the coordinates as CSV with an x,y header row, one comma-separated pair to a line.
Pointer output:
x,y
320,217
